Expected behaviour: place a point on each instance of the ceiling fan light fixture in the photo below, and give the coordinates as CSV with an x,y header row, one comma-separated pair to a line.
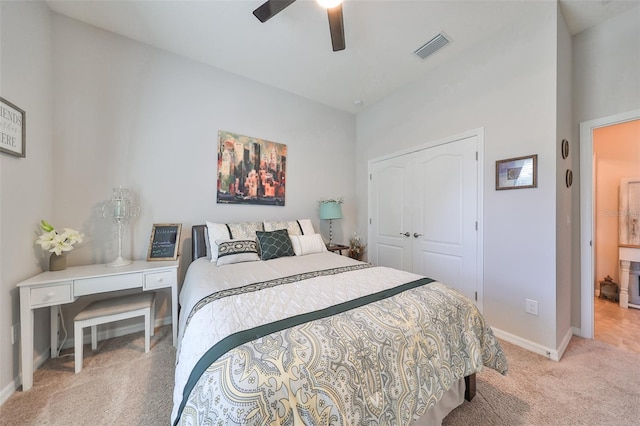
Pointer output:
x,y
329,4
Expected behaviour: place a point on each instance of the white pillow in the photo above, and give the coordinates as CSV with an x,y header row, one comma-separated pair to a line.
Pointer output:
x,y
307,244
216,231
307,226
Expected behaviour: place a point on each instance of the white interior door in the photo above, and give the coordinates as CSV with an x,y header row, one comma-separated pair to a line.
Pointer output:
x,y
445,214
390,213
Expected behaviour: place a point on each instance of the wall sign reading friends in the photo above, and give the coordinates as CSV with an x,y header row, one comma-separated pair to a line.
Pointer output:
x,y
12,129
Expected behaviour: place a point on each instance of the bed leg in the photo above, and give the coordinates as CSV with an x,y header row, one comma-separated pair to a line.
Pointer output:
x,y
470,387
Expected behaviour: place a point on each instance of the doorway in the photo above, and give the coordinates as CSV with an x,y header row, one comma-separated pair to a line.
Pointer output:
x,y
587,213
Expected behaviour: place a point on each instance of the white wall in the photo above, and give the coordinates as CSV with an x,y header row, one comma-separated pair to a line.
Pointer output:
x,y
123,113
25,183
131,115
606,81
563,194
508,86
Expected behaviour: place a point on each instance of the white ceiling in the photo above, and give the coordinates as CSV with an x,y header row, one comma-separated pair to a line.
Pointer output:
x,y
293,51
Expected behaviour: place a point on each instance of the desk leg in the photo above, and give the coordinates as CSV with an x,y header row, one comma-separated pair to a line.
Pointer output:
x,y
26,338
54,330
174,312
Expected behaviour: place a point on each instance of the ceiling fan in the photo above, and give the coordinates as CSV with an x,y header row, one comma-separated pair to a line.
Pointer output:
x,y
271,8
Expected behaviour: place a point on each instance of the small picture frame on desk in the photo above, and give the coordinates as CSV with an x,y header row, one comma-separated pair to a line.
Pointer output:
x,y
164,241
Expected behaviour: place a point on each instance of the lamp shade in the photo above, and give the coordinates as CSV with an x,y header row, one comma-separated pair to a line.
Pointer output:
x,y
330,210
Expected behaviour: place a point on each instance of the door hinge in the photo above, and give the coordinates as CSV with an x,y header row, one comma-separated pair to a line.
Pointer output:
x,y
476,296
370,221
476,225
476,155
370,176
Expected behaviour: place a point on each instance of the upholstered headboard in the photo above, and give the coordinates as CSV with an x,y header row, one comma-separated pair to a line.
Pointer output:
x,y
198,241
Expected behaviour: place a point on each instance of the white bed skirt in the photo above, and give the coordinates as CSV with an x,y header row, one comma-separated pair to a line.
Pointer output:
x,y
450,400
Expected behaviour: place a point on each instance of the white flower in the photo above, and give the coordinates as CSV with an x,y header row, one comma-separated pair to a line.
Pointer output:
x,y
56,242
46,240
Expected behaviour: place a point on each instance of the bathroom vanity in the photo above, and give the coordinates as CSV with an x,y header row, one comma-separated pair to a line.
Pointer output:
x,y
629,242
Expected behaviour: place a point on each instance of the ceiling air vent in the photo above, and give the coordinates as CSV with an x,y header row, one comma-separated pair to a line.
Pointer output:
x,y
432,46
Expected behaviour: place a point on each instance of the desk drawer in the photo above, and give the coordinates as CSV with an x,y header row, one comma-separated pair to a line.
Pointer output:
x,y
159,279
106,284
51,295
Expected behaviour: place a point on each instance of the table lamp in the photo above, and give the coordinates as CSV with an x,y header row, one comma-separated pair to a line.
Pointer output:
x,y
330,210
121,209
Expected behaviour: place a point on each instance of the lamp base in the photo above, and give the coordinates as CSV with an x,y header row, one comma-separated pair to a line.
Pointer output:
x,y
120,261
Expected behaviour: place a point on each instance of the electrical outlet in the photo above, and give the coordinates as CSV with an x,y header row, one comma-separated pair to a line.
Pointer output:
x,y
531,306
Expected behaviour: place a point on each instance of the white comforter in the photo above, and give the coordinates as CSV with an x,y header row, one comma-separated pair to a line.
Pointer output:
x,y
459,345
204,278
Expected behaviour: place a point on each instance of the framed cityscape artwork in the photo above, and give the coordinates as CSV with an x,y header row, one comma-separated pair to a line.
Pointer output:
x,y
250,170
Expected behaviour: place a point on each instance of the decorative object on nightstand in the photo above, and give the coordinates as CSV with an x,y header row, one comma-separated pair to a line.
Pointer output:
x,y
356,247
331,209
121,208
58,243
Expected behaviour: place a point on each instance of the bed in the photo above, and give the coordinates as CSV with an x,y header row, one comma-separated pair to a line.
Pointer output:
x,y
316,338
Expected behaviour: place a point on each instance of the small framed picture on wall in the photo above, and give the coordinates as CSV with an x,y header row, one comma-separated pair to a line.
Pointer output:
x,y
517,173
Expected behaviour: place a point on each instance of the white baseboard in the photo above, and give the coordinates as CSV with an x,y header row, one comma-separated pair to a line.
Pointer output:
x,y
565,342
552,354
8,390
13,386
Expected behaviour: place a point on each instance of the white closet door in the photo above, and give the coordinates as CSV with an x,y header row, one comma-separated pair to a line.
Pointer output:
x,y
445,214
390,213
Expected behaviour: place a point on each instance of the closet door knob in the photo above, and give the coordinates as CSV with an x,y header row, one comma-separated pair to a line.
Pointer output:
x,y
416,235
406,234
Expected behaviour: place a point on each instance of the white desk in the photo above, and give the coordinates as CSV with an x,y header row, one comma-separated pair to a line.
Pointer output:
x,y
52,289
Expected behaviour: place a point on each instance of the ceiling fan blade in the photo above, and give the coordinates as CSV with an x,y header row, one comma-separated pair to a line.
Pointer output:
x,y
270,8
336,26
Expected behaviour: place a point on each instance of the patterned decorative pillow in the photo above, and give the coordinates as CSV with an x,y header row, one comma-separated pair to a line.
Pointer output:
x,y
307,244
292,226
274,244
295,227
236,251
227,231
244,229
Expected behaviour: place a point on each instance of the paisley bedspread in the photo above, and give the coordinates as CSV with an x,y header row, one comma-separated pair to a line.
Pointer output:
x,y
360,346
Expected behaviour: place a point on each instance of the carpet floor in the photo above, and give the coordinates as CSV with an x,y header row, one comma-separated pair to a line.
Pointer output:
x,y
594,384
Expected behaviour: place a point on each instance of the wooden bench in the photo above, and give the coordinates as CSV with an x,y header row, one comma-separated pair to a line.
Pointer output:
x,y
110,310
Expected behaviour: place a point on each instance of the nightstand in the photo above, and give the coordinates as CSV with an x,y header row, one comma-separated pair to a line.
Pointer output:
x,y
337,248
